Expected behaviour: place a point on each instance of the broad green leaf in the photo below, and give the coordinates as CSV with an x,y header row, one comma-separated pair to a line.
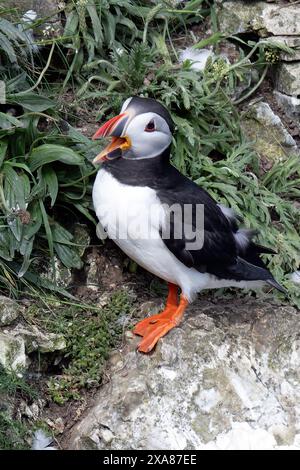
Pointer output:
x,y
77,136
81,208
48,233
60,234
15,189
26,247
66,253
97,27
68,256
51,182
71,23
9,122
32,101
7,47
48,153
36,221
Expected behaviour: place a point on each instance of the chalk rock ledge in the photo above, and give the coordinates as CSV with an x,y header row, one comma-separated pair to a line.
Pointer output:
x,y
227,378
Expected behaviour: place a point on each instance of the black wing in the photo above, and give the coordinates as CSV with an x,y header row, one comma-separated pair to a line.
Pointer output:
x,y
227,251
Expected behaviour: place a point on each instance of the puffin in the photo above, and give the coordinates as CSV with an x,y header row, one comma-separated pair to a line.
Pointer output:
x,y
165,222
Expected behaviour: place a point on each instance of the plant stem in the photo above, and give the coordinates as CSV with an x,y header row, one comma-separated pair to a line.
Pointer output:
x,y
242,98
42,73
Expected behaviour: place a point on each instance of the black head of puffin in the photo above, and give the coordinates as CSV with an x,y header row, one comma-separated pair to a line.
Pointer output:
x,y
143,129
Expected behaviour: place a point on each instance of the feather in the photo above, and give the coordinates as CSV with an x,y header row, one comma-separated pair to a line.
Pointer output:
x,y
198,58
41,441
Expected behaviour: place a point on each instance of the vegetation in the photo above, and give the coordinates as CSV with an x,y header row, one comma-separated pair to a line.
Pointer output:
x,y
131,47
90,333
13,433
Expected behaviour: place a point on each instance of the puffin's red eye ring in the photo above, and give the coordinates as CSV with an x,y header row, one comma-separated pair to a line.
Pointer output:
x,y
150,126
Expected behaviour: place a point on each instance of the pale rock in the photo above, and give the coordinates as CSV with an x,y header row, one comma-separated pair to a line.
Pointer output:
x,y
236,17
9,310
243,437
226,378
59,425
35,339
12,353
30,10
31,411
81,238
267,133
61,274
288,78
295,277
106,435
281,20
291,104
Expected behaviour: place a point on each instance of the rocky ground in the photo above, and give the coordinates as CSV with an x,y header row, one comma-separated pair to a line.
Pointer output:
x,y
228,377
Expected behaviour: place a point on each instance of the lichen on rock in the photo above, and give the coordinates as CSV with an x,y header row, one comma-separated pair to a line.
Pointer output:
x,y
288,78
9,310
12,353
265,19
267,133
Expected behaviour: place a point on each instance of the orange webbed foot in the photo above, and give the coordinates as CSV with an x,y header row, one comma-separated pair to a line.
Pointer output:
x,y
157,326
143,326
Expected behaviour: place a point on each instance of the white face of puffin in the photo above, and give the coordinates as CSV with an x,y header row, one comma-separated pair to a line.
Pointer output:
x,y
138,135
149,136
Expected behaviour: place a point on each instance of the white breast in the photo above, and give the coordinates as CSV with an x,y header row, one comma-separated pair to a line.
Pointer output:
x,y
132,216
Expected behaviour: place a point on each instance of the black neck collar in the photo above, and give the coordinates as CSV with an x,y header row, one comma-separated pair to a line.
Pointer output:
x,y
140,172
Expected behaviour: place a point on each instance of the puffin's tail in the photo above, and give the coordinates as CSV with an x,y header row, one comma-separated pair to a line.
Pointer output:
x,y
274,283
244,270
252,255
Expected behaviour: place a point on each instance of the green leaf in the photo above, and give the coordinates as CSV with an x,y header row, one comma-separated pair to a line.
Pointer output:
x,y
6,46
66,253
51,182
77,136
31,101
36,220
3,148
81,208
48,153
71,23
48,233
97,27
68,256
9,122
213,39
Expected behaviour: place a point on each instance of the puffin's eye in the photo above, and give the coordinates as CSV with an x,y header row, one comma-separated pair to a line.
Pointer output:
x,y
150,126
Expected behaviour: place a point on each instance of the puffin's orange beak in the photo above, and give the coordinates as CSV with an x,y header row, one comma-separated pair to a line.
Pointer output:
x,y
114,129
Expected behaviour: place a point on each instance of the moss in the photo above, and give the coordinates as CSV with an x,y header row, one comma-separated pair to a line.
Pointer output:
x,y
90,334
266,140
